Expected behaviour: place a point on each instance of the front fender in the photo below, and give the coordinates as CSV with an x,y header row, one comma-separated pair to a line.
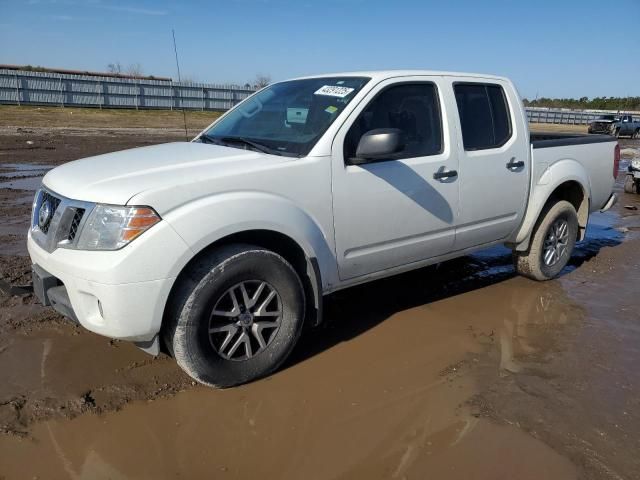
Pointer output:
x,y
562,171
204,221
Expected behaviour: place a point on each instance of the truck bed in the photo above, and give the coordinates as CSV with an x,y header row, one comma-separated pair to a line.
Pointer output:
x,y
553,139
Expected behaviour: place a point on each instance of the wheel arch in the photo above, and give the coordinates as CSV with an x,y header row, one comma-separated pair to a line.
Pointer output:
x,y
571,189
573,192
305,265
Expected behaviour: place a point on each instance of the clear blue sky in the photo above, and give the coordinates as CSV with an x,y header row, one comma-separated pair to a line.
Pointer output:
x,y
569,48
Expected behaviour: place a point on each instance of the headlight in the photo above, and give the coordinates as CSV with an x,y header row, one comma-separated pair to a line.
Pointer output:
x,y
111,227
635,164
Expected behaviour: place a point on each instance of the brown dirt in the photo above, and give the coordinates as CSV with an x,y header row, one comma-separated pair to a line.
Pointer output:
x,y
103,118
29,332
550,127
455,371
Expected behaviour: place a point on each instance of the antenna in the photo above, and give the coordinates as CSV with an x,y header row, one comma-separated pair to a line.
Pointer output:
x,y
184,114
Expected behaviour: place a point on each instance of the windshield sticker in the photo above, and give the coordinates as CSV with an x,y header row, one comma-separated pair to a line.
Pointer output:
x,y
334,91
297,115
331,109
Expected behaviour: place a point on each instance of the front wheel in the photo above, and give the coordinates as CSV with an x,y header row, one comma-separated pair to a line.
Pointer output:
x,y
636,134
552,243
235,316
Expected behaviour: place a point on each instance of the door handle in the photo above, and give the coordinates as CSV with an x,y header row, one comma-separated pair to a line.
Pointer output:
x,y
444,174
513,164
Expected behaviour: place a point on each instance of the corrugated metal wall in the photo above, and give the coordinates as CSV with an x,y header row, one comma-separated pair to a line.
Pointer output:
x,y
19,87
566,117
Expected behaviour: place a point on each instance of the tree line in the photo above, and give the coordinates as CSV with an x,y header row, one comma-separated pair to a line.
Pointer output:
x,y
586,103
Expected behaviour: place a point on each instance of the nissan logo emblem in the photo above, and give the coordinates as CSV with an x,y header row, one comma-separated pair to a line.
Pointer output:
x,y
44,214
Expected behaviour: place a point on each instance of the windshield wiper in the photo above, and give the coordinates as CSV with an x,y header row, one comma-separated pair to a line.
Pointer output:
x,y
246,141
225,141
206,139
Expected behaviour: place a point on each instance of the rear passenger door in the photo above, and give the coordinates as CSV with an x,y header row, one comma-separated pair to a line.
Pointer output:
x,y
494,161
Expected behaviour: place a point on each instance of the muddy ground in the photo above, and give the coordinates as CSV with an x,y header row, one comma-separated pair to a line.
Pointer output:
x,y
461,370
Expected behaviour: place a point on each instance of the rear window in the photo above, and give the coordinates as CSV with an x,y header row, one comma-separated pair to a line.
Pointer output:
x,y
484,115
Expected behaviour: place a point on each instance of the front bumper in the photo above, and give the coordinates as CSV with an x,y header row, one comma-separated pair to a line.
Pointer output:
x,y
118,294
600,128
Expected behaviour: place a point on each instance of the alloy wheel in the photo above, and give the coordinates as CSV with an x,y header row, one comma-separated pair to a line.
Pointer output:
x,y
556,243
245,319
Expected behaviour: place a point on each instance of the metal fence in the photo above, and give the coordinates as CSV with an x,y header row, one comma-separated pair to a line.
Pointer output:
x,y
21,87
563,116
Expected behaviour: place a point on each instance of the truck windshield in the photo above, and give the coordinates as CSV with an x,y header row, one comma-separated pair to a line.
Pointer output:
x,y
607,117
286,118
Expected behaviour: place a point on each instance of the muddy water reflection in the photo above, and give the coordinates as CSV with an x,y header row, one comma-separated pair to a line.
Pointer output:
x,y
22,176
386,401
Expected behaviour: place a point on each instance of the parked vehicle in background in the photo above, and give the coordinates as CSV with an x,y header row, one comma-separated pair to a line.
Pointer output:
x,y
222,248
627,125
632,179
603,124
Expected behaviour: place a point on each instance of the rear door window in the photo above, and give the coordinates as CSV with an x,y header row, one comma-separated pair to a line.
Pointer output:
x,y
484,115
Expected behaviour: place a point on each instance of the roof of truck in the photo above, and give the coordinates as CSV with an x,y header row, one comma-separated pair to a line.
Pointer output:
x,y
383,74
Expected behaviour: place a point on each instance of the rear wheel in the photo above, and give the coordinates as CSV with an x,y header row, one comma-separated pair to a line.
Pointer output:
x,y
235,316
552,243
630,185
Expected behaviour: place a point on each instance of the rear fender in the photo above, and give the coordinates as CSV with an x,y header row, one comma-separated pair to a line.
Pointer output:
x,y
560,172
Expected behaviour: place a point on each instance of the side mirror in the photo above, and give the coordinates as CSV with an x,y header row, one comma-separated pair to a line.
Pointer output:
x,y
379,144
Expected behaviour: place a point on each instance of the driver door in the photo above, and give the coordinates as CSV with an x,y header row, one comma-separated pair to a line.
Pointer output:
x,y
393,211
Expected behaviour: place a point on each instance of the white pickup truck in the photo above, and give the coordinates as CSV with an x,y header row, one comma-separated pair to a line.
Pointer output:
x,y
220,249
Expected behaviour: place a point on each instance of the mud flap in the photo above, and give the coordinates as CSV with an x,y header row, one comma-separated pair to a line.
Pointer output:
x,y
42,282
610,203
152,347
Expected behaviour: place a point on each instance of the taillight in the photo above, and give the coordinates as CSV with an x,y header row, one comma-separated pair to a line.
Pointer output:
x,y
616,161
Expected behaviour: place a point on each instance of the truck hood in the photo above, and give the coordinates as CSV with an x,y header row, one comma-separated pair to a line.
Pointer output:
x,y
116,177
602,121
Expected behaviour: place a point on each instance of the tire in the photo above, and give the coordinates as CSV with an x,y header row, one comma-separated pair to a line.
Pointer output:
x,y
616,132
532,263
204,323
636,134
630,185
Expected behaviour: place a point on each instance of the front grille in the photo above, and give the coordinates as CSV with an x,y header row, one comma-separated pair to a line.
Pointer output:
x,y
65,220
75,223
54,202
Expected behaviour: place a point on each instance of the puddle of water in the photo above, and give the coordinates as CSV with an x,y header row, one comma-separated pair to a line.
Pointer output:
x,y
23,176
627,153
497,262
385,403
28,183
600,233
163,439
25,167
31,173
